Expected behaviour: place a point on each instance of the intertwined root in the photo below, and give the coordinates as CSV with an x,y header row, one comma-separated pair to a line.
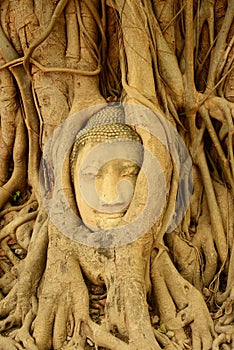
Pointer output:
x,y
62,318
180,304
57,315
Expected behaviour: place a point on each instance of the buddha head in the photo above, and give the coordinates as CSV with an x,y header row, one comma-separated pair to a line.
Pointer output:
x,y
105,161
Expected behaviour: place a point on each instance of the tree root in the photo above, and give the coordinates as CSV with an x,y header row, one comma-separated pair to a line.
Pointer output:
x,y
6,231
64,298
223,160
64,303
23,234
195,255
215,215
186,299
31,118
167,343
101,337
8,111
16,305
219,341
58,10
8,303
22,335
126,280
217,59
18,177
224,326
7,343
8,280
31,202
150,72
8,252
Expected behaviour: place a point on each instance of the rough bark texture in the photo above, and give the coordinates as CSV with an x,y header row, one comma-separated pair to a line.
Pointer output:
x,y
166,290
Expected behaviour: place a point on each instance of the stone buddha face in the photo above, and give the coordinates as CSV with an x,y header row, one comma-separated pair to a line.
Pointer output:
x,y
104,179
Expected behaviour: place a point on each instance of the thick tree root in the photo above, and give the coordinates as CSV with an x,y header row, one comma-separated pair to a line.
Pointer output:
x,y
101,337
184,304
127,279
7,343
167,343
25,275
64,300
62,319
22,335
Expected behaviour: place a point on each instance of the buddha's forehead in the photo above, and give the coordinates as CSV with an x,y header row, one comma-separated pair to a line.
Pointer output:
x,y
101,153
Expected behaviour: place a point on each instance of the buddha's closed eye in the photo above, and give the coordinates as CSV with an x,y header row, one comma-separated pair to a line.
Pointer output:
x,y
129,171
89,173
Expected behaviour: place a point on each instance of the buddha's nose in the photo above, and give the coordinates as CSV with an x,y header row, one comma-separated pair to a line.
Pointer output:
x,y
107,190
114,195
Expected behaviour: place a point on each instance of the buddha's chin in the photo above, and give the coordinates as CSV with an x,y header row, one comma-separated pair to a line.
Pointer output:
x,y
106,221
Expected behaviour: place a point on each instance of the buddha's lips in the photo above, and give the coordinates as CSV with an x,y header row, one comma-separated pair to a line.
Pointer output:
x,y
112,215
